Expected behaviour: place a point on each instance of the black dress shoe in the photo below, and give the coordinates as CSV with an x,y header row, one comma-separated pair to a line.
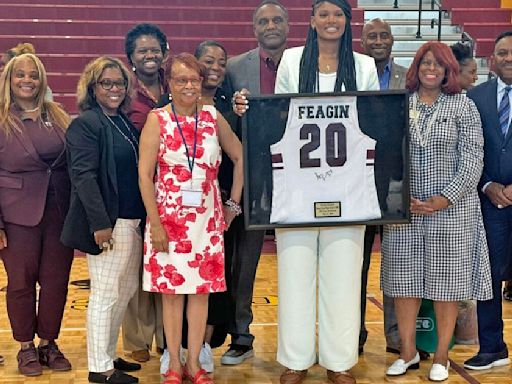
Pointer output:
x,y
507,293
424,355
393,350
126,366
117,377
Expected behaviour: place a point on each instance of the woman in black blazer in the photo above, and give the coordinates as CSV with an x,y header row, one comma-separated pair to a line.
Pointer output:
x,y
106,209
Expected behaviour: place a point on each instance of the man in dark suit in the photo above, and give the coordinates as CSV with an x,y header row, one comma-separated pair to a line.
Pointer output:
x,y
377,42
251,72
493,101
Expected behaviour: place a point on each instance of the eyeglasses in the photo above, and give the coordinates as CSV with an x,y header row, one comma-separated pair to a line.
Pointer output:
x,y
182,81
109,84
429,63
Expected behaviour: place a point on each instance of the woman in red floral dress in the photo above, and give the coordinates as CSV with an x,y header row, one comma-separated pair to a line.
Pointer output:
x,y
184,249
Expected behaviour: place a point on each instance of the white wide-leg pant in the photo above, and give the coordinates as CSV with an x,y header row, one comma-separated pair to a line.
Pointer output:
x,y
114,278
336,254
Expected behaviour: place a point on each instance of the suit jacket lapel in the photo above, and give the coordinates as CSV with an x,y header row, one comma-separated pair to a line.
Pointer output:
x,y
109,143
27,143
252,68
61,156
394,80
493,112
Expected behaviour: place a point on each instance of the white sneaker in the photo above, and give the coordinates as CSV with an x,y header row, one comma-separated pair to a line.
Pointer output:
x,y
400,367
206,358
438,372
164,362
236,354
165,359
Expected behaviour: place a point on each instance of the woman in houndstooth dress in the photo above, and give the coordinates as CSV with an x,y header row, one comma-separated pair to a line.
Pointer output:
x,y
442,254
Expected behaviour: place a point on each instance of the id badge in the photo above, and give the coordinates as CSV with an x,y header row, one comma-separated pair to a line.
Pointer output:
x,y
191,197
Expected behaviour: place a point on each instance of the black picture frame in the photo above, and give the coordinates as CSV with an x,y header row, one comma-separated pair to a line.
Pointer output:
x,y
383,115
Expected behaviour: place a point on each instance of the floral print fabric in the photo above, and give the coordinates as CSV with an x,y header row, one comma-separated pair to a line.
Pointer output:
x,y
195,262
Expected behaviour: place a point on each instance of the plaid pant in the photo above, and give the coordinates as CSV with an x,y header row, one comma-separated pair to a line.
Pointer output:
x,y
114,279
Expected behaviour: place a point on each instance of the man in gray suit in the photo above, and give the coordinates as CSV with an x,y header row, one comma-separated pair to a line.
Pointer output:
x,y
251,72
377,42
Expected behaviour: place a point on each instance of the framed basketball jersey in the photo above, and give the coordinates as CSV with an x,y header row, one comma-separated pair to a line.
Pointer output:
x,y
326,159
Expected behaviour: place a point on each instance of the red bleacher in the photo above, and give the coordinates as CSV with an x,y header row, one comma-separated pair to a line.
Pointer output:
x,y
449,4
483,20
69,33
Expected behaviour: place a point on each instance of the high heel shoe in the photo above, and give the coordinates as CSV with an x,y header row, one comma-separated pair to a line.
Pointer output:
x,y
201,377
400,367
172,377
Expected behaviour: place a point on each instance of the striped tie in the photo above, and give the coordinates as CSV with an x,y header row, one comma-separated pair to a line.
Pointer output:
x,y
504,111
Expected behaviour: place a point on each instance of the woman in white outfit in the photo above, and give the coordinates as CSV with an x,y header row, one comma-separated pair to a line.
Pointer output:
x,y
325,64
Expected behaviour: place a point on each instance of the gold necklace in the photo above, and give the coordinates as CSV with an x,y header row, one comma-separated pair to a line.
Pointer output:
x,y
327,67
30,110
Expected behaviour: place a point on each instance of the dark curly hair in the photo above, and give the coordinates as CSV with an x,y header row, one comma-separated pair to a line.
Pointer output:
x,y
142,30
462,52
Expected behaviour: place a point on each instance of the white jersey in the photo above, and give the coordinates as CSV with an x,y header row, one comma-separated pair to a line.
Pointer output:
x,y
323,167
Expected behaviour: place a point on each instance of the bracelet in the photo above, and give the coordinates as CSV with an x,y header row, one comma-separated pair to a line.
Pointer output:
x,y
234,207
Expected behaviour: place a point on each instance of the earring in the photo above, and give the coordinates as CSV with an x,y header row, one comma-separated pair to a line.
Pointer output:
x,y
133,68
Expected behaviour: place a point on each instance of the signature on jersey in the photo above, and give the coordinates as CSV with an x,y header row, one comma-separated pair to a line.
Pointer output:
x,y
323,176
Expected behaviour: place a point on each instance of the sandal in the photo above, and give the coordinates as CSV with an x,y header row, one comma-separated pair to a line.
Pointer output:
x,y
201,377
172,377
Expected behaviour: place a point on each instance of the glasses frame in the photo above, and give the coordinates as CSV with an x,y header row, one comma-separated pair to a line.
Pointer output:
x,y
102,85
198,81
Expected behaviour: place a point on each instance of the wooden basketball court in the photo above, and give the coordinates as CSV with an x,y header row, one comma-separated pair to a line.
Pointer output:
x,y
261,369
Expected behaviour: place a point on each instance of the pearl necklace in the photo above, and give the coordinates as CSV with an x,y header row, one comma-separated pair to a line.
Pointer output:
x,y
422,137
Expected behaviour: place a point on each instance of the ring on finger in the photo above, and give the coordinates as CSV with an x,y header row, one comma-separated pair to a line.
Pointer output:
x,y
499,206
104,245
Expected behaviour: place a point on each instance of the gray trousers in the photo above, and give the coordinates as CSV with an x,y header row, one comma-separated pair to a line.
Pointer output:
x,y
390,321
242,249
143,321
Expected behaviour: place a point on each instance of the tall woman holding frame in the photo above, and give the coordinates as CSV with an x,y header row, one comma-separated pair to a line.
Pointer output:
x,y
325,64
